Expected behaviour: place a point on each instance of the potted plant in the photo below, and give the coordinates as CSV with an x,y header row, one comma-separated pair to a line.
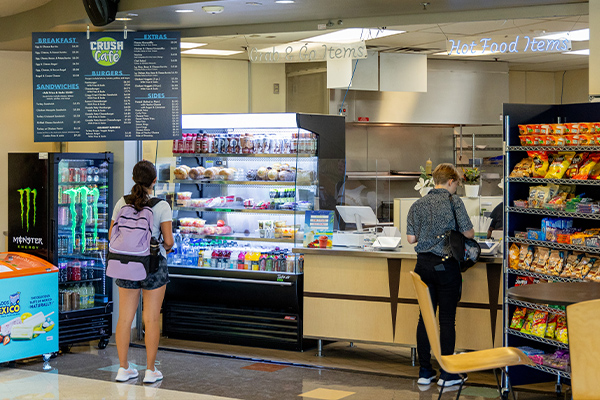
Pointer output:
x,y
471,177
425,183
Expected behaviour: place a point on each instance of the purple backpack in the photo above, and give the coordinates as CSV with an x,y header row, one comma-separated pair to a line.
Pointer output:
x,y
129,248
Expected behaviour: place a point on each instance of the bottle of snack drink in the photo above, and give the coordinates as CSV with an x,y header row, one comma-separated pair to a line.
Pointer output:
x,y
83,299
193,144
91,295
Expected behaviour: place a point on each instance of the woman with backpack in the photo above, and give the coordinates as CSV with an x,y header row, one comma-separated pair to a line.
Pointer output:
x,y
153,286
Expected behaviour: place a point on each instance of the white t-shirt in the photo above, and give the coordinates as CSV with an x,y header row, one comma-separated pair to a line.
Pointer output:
x,y
161,213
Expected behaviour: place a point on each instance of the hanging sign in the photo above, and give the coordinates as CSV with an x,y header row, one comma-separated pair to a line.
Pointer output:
x,y
518,44
307,52
106,86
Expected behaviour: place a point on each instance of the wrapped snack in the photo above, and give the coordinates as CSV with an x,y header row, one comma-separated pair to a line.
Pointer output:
x,y
570,264
559,165
572,129
518,318
595,172
527,140
593,276
513,262
586,140
539,167
551,326
585,128
551,140
547,129
540,321
559,129
523,280
555,262
586,167
577,161
522,168
539,265
522,129
262,173
528,325
583,267
533,129
528,261
522,255
561,329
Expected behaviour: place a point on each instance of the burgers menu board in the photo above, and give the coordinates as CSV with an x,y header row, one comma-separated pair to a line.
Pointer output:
x,y
106,86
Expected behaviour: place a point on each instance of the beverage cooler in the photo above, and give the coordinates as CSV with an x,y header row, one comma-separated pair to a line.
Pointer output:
x,y
59,205
242,185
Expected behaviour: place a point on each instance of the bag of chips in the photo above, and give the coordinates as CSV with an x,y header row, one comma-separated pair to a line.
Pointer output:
x,y
551,326
577,161
539,167
522,254
513,256
586,168
528,325
522,169
561,330
559,165
518,318
540,320
528,261
542,262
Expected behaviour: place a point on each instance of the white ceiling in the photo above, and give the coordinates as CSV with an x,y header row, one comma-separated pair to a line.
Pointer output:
x,y
242,24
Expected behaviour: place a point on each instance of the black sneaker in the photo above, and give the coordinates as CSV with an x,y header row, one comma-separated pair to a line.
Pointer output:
x,y
426,376
448,380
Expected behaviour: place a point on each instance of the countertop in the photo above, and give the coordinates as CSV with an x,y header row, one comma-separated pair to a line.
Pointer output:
x,y
350,252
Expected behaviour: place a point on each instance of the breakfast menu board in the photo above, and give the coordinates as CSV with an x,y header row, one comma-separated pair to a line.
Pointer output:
x,y
108,86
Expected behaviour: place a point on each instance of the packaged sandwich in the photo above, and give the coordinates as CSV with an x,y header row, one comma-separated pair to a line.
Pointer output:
x,y
586,168
539,167
513,254
559,165
518,318
577,161
540,321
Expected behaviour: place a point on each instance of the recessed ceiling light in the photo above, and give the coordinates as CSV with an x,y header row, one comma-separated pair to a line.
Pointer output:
x,y
208,52
285,1
190,45
123,19
353,35
575,36
213,9
584,52
184,11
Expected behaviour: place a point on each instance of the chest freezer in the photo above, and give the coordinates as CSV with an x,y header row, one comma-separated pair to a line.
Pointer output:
x,y
28,306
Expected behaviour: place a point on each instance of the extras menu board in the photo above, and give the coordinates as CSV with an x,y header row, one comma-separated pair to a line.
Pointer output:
x,y
106,87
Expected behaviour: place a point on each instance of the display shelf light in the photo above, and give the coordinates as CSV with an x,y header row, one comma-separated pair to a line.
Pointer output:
x,y
233,121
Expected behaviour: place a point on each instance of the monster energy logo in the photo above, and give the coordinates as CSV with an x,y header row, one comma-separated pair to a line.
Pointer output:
x,y
26,207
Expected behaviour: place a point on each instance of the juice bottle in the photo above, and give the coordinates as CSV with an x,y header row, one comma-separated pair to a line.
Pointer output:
x,y
233,259
241,260
214,258
248,260
269,262
91,294
254,260
262,262
281,262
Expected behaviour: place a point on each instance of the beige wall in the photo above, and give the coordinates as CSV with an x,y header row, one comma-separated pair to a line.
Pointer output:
x,y
546,87
263,77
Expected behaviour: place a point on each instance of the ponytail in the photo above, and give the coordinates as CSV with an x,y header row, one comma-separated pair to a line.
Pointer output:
x,y
144,174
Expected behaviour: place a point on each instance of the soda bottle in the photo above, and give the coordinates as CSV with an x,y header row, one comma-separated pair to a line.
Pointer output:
x,y
262,262
91,295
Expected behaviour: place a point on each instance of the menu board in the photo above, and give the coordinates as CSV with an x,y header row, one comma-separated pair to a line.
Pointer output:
x,y
106,86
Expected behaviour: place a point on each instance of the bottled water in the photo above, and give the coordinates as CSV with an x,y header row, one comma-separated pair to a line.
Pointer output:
x,y
91,294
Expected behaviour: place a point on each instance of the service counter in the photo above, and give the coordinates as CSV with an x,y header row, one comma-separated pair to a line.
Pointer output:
x,y
367,296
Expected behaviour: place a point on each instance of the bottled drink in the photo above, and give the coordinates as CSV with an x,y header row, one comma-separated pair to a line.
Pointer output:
x,y
262,262
281,262
241,260
76,271
91,295
269,262
255,260
83,269
91,267
233,259
248,260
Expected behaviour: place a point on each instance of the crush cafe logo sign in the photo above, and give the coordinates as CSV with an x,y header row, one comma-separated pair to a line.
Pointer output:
x,y
28,202
507,45
106,51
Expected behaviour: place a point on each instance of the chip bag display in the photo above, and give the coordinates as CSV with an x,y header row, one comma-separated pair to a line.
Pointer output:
x,y
585,170
522,169
528,325
540,320
577,161
551,326
559,165
561,330
513,256
556,262
539,167
518,318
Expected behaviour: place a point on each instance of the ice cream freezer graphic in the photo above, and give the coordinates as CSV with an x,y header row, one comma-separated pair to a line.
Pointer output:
x,y
28,306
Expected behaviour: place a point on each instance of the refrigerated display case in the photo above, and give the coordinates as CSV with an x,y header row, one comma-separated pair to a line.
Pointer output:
x,y
242,185
61,204
525,216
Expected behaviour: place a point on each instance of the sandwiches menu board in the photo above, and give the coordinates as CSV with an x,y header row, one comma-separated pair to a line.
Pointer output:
x,y
108,86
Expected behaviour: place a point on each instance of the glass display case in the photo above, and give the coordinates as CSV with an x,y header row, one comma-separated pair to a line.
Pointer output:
x,y
242,184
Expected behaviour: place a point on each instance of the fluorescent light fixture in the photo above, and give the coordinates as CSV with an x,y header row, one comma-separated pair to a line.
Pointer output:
x,y
184,11
351,35
575,36
584,52
215,121
213,9
285,1
122,19
209,52
190,45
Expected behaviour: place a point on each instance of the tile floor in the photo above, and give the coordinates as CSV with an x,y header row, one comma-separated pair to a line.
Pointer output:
x,y
207,371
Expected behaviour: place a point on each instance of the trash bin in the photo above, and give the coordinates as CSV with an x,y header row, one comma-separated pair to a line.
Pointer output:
x,y
28,306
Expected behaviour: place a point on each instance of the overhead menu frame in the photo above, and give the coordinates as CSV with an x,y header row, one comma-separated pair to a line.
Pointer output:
x,y
105,87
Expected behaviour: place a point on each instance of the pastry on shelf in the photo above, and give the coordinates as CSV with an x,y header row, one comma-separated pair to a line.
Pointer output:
x,y
181,172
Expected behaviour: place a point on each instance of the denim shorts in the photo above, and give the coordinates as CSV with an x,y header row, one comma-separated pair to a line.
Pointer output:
x,y
153,280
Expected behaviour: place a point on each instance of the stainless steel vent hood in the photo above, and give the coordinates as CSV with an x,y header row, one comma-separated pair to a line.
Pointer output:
x,y
458,93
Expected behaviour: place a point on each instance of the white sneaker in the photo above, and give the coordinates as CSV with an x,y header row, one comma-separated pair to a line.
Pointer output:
x,y
123,375
152,376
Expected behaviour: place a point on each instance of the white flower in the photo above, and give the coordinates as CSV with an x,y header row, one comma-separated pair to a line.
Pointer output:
x,y
423,184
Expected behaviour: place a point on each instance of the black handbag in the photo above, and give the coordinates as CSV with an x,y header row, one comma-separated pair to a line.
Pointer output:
x,y
456,245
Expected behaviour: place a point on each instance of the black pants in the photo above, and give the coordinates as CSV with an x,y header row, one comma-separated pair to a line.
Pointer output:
x,y
445,283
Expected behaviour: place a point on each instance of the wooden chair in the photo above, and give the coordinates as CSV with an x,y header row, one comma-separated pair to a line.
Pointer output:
x,y
584,349
496,358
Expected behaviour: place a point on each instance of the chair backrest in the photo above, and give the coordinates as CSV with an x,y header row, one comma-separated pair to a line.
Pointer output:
x,y
431,324
583,326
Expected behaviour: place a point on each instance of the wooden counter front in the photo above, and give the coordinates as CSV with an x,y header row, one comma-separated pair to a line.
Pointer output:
x,y
368,296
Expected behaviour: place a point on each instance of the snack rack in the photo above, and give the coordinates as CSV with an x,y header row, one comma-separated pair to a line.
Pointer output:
x,y
518,219
240,212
